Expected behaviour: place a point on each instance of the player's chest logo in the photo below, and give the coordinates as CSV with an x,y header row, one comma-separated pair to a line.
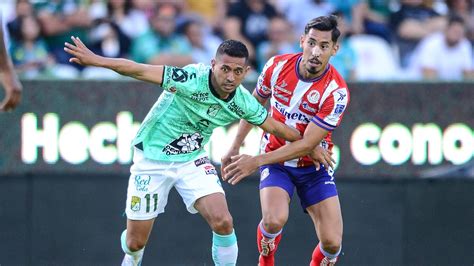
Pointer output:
x,y
187,143
281,93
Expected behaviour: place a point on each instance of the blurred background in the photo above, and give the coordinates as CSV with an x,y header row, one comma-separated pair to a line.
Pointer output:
x,y
404,151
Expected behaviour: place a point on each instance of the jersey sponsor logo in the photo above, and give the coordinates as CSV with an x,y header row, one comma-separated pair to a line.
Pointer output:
x,y
142,182
199,126
313,96
213,110
281,97
200,96
339,108
181,75
305,106
201,161
291,116
210,170
135,203
233,107
187,143
282,86
341,95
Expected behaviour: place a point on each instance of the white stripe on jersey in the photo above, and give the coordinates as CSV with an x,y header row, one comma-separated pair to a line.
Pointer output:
x,y
329,89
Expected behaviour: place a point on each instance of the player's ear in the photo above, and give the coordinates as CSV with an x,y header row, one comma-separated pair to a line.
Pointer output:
x,y
302,40
335,48
247,68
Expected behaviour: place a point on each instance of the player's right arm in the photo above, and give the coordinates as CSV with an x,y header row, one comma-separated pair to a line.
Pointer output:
x,y
85,57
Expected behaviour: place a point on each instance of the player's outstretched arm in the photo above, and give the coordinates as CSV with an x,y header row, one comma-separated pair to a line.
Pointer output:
x,y
85,57
244,165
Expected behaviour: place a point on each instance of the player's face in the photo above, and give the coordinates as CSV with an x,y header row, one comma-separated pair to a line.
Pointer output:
x,y
317,50
228,72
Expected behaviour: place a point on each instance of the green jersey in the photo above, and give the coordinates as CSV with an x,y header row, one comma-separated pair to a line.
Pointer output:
x,y
181,122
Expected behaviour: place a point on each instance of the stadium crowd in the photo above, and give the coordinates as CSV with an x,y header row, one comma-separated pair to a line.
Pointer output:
x,y
382,39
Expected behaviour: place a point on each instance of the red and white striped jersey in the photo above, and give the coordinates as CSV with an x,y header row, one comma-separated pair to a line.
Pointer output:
x,y
297,102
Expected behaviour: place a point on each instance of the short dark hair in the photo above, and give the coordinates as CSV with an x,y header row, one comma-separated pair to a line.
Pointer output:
x,y
324,23
233,48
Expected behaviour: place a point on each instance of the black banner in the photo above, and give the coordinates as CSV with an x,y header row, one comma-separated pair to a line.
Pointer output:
x,y
389,129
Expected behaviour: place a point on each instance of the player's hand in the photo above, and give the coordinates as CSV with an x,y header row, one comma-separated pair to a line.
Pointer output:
x,y
242,165
322,156
13,91
226,160
81,54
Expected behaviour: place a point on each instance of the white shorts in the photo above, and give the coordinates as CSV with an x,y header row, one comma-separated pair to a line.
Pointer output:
x,y
151,181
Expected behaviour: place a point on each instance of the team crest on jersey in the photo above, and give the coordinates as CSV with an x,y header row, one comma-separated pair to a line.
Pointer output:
x,y
172,89
213,110
313,96
187,143
136,202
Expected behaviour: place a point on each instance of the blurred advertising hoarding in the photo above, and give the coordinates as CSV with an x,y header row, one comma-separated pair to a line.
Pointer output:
x,y
389,129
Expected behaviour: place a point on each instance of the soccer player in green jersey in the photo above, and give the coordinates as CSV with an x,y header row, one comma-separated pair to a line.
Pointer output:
x,y
168,148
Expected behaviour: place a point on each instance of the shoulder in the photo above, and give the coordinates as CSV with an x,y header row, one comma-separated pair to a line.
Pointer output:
x,y
337,77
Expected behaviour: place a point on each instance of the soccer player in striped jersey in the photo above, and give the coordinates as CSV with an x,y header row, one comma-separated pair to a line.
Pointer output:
x,y
307,93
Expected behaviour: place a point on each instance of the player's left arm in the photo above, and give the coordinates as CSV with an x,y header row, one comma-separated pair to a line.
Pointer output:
x,y
244,165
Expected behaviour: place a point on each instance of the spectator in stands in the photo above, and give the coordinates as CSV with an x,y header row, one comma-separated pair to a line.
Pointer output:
x,y
23,8
231,30
345,59
254,16
161,44
61,19
465,9
131,21
350,10
280,41
213,11
372,16
28,50
445,55
414,21
203,45
299,12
